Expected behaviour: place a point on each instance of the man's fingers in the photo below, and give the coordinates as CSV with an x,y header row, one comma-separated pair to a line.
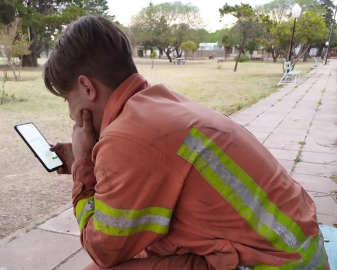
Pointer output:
x,y
87,120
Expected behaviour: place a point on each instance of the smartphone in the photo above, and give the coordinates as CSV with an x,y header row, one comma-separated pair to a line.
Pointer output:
x,y
39,146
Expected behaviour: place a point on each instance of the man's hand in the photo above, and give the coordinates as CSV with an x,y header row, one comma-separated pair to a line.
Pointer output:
x,y
65,152
83,137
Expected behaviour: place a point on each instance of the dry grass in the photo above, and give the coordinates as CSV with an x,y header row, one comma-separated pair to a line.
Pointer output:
x,y
28,192
219,88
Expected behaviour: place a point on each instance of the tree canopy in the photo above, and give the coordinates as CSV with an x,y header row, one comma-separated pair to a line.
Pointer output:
x,y
42,19
165,26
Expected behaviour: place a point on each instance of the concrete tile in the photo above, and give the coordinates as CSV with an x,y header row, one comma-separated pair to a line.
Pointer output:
x,y
328,127
301,114
318,147
63,223
291,131
270,124
77,262
259,129
38,250
315,183
299,124
323,123
283,154
324,205
321,158
284,141
327,219
322,135
323,170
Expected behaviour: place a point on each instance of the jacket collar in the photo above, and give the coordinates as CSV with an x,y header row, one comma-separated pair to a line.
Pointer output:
x,y
120,96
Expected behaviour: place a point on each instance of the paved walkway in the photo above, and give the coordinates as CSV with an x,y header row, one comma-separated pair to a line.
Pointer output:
x,y
298,125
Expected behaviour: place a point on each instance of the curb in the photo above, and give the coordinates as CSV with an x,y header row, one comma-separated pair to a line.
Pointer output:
x,y
34,224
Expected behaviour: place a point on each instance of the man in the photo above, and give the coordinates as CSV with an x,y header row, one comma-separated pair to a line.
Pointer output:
x,y
170,184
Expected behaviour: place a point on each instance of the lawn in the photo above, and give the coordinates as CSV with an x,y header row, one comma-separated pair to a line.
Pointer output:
x,y
28,192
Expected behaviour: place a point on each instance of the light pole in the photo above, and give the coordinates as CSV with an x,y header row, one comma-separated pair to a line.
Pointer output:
x,y
295,13
329,41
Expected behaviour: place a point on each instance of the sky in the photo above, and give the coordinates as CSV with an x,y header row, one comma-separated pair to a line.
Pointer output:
x,y
209,10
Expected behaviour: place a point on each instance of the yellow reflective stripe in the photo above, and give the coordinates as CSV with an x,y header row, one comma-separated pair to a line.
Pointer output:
x,y
84,210
313,257
241,191
124,222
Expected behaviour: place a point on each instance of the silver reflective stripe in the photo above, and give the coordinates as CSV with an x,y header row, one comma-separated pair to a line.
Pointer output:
x,y
87,207
316,260
250,200
129,223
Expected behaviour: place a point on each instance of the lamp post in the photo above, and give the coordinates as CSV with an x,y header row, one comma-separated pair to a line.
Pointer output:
x,y
295,13
329,41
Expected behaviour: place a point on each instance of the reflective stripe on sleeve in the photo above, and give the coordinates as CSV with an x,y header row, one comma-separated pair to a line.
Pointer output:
x,y
84,210
247,198
124,222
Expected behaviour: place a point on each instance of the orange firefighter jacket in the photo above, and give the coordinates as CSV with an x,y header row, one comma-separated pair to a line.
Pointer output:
x,y
174,177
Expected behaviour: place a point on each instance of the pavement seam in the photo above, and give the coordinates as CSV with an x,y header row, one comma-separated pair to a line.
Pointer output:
x,y
56,232
67,259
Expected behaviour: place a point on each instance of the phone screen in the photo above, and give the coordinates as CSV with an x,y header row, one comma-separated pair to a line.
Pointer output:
x,y
39,146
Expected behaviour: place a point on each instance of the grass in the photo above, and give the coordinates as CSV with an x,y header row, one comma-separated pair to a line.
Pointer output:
x,y
219,88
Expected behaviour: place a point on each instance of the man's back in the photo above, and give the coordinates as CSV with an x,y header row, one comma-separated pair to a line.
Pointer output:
x,y
232,201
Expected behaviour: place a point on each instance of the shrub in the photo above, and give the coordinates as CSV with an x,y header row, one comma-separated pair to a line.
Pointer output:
x,y
243,58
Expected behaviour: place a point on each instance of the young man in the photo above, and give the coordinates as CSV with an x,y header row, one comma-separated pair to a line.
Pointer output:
x,y
181,184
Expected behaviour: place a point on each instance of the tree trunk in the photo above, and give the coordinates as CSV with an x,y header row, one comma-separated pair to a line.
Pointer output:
x,y
306,55
274,55
30,60
240,51
168,55
14,73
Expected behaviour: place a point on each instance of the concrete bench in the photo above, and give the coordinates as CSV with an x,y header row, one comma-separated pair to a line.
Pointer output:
x,y
179,61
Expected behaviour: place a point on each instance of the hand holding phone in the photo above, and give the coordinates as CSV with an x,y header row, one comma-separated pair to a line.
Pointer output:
x,y
39,146
65,152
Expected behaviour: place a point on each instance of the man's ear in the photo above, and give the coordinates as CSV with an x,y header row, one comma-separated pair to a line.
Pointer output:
x,y
87,87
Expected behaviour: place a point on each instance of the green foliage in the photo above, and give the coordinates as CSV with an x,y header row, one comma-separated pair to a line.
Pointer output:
x,y
42,19
249,26
243,58
21,45
189,46
153,53
7,12
310,29
165,25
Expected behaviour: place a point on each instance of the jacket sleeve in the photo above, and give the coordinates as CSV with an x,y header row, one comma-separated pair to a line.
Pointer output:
x,y
125,201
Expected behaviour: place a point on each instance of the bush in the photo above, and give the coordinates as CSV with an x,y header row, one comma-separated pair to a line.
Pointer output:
x,y
243,58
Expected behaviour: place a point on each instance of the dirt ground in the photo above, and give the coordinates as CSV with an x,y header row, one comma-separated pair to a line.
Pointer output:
x,y
27,191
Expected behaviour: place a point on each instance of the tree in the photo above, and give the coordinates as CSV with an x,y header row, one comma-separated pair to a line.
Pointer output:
x,y
153,56
189,46
310,28
7,12
42,19
7,38
248,25
21,48
279,12
165,25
